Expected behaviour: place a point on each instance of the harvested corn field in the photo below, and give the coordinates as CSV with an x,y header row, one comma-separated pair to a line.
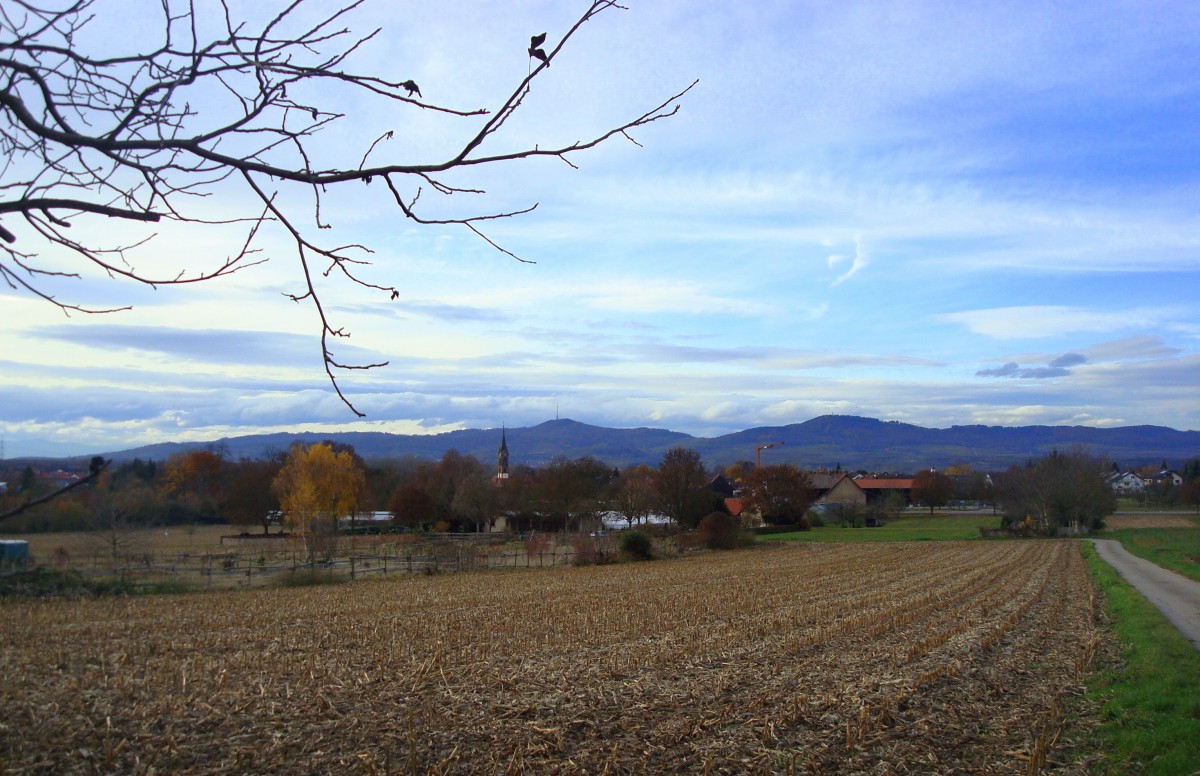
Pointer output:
x,y
929,658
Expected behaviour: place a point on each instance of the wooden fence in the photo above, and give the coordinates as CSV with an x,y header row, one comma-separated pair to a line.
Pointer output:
x,y
234,569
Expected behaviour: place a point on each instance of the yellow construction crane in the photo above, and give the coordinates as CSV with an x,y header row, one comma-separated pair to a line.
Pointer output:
x,y
758,453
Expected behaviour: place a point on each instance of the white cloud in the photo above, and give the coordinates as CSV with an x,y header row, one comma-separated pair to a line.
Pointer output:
x,y
1049,321
855,211
857,263
1139,347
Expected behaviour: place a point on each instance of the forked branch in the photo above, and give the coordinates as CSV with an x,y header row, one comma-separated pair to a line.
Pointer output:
x,y
148,137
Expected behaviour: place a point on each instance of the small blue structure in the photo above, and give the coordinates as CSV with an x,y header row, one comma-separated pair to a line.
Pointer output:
x,y
14,554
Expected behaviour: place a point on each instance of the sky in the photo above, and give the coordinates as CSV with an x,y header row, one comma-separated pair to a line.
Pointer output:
x,y
940,213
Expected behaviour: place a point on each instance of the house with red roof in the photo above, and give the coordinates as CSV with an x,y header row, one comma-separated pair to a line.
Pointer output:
x,y
878,487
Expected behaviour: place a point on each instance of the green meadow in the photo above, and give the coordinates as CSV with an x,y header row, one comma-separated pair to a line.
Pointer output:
x,y
910,528
1150,696
1177,549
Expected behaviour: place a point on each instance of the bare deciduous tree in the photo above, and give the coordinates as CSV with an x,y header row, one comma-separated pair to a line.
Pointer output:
x,y
119,521
1062,489
217,102
932,488
635,497
779,493
679,483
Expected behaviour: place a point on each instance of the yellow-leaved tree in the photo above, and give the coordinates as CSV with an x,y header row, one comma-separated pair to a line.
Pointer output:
x,y
316,486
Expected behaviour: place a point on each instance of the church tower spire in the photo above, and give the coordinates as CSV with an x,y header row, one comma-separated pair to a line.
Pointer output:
x,y
502,458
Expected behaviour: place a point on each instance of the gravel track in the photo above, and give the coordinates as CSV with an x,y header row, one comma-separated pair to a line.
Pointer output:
x,y
1176,596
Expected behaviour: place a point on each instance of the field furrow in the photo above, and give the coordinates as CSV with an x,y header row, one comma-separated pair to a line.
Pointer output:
x,y
868,658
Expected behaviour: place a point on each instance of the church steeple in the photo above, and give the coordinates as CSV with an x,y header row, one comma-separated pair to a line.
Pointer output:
x,y
502,457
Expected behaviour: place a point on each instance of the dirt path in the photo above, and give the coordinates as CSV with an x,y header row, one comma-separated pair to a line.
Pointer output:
x,y
1176,596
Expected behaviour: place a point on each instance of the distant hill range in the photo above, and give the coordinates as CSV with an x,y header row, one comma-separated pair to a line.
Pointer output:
x,y
827,441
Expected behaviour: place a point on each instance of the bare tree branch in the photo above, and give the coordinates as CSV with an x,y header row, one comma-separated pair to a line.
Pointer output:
x,y
96,469
144,137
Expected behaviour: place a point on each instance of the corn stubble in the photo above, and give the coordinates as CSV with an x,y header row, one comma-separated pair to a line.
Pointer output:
x,y
903,658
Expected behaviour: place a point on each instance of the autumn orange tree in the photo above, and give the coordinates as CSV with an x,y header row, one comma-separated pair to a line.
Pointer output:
x,y
195,479
316,486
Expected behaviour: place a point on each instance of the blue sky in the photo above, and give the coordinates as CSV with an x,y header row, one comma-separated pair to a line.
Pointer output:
x,y
940,213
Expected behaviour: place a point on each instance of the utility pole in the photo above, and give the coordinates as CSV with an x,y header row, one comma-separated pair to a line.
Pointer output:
x,y
758,453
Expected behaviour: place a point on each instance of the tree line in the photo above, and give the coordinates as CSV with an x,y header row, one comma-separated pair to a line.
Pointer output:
x,y
455,493
299,488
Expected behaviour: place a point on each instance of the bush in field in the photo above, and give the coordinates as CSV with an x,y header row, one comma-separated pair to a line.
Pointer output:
x,y
719,531
637,545
537,544
591,550
847,515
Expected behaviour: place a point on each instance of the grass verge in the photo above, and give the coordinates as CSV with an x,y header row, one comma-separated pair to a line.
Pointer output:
x,y
1177,549
905,529
1150,700
50,583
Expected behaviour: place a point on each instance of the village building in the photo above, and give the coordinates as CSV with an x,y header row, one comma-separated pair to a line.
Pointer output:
x,y
1125,483
837,488
878,487
1168,477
